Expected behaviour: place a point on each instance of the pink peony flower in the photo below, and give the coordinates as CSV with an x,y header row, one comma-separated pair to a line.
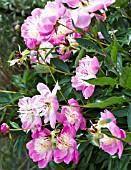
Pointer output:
x,y
72,115
52,12
29,30
86,70
108,144
81,14
113,145
67,146
40,147
5,128
29,114
50,103
90,5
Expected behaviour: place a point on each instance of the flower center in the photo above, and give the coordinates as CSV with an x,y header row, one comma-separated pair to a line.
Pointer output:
x,y
63,142
42,145
72,116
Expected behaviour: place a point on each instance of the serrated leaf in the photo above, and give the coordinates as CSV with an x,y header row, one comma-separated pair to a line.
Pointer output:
x,y
129,117
108,102
60,64
125,78
102,81
41,68
14,125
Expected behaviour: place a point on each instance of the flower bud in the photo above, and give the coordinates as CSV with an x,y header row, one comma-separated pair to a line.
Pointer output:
x,y
5,128
17,27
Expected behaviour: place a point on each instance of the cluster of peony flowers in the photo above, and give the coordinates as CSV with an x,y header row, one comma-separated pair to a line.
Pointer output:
x,y
45,143
52,28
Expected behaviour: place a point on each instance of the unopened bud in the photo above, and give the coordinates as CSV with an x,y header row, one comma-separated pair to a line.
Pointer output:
x,y
5,128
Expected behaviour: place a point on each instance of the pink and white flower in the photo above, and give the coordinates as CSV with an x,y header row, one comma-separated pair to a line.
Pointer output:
x,y
81,14
67,146
50,102
108,144
29,30
72,115
90,5
41,148
29,115
113,145
87,69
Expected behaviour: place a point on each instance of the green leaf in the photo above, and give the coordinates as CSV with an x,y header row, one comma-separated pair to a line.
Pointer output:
x,y
104,31
41,68
85,43
121,112
14,125
60,64
81,54
102,81
125,78
108,102
124,163
11,55
55,166
114,50
128,138
129,117
26,76
110,165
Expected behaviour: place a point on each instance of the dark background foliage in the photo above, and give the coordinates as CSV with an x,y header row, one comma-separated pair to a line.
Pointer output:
x,y
115,95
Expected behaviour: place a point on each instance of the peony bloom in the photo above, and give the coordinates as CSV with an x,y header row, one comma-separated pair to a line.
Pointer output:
x,y
50,102
66,146
90,5
113,145
5,128
52,12
29,30
29,114
81,14
108,144
40,148
72,115
87,69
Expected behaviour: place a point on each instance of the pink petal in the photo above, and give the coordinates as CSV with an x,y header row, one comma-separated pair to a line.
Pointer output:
x,y
43,89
